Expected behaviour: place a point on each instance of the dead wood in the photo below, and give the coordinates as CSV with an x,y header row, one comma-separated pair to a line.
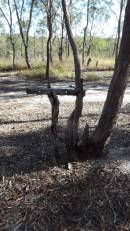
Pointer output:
x,y
55,111
58,91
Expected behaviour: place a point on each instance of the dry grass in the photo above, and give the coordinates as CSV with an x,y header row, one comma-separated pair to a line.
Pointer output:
x,y
58,70
103,62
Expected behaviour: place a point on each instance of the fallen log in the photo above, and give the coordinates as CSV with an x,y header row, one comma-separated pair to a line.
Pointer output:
x,y
48,91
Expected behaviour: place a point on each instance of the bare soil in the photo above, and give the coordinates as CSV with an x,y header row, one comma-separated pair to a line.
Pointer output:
x,y
37,192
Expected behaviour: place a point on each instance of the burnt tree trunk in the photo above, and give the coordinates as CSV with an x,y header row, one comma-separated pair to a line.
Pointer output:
x,y
95,143
71,133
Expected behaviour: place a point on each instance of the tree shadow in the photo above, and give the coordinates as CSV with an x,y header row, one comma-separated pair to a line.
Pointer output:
x,y
28,152
94,195
35,151
94,199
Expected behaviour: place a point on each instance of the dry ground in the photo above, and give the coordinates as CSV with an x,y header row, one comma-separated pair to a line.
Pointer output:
x,y
36,191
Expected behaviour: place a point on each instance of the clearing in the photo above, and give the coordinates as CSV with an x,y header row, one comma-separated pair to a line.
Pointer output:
x,y
36,191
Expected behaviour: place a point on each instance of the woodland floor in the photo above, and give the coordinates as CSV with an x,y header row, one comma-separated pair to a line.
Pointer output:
x,y
36,191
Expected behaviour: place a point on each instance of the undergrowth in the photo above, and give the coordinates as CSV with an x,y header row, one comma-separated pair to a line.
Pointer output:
x,y
58,70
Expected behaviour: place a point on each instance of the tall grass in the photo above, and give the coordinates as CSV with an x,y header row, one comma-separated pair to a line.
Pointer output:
x,y
58,70
103,62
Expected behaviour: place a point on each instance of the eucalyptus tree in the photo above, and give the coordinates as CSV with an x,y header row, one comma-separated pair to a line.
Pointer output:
x,y
93,144
119,17
75,16
71,132
85,29
96,13
42,34
7,12
50,15
62,36
24,26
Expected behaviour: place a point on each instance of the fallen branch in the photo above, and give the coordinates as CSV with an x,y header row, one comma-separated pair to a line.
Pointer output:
x,y
48,91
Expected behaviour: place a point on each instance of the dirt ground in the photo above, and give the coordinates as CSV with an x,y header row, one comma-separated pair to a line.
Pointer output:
x,y
37,192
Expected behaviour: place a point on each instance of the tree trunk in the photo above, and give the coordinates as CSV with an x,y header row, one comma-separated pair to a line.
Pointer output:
x,y
114,47
68,49
95,143
50,52
71,133
85,32
55,111
24,36
26,56
14,53
49,25
119,30
84,43
34,46
61,44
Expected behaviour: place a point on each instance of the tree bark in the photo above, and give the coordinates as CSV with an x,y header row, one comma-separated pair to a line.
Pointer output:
x,y
34,46
85,32
119,30
25,37
71,132
61,44
55,111
47,91
13,39
49,25
26,56
14,54
95,143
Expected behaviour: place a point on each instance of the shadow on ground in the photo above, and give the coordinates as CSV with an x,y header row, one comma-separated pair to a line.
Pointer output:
x,y
36,151
87,198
